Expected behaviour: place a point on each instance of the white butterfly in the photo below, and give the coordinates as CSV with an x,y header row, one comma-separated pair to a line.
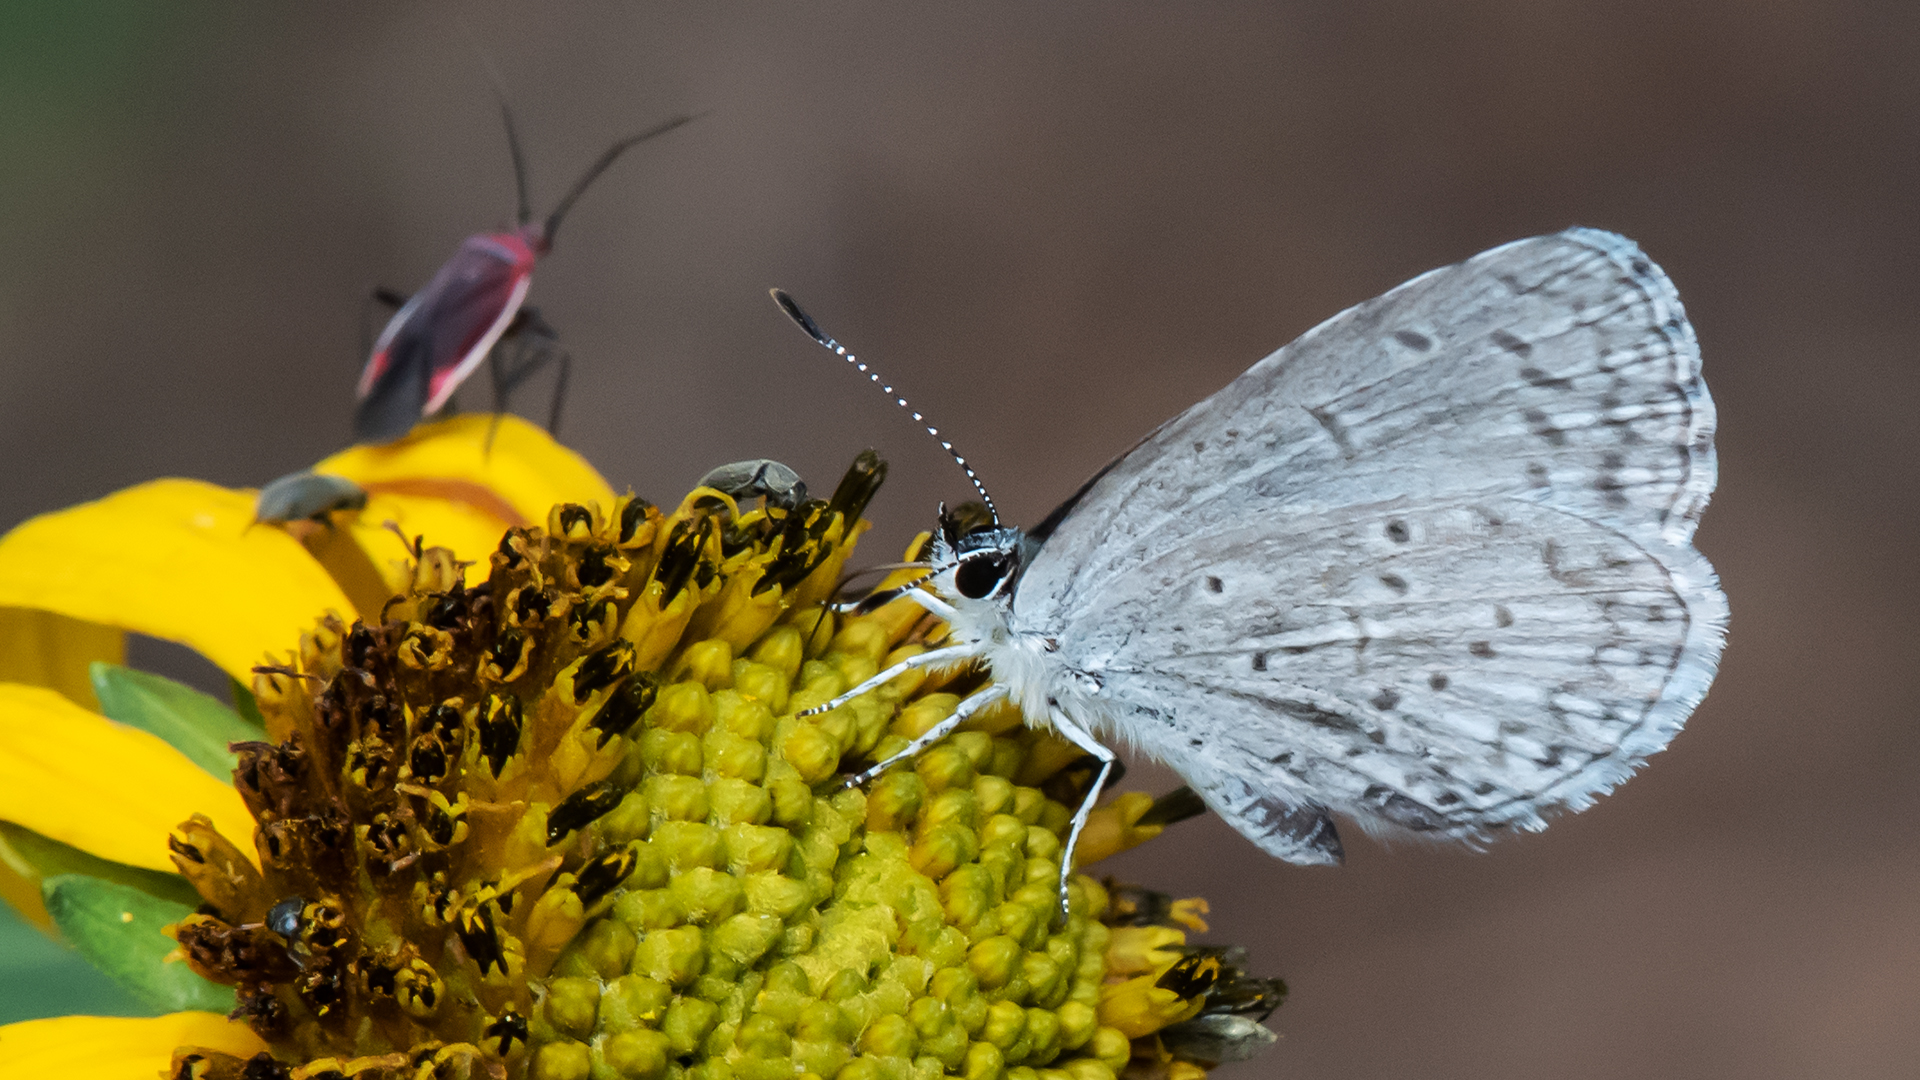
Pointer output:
x,y
1429,567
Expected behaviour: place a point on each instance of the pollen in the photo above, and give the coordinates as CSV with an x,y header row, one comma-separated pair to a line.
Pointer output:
x,y
566,824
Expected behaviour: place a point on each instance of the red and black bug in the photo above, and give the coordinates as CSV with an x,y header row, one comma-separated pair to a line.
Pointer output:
x,y
439,336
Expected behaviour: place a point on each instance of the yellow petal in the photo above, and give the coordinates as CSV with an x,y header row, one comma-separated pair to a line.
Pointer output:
x,y
1134,949
115,1047
1191,913
45,649
523,475
1115,827
471,533
370,560
175,559
1137,1007
103,787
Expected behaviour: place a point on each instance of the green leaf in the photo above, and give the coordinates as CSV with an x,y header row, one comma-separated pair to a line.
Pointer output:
x,y
40,977
191,722
34,856
119,930
246,706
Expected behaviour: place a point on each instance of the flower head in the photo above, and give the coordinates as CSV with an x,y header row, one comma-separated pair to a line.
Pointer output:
x,y
553,814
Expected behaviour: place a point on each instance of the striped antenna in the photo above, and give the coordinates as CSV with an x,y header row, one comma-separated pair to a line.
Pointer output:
x,y
813,331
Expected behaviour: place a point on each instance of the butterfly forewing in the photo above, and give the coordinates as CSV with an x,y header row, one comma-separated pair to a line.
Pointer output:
x,y
1428,565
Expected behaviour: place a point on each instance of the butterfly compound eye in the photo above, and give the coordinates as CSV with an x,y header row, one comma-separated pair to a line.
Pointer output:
x,y
977,577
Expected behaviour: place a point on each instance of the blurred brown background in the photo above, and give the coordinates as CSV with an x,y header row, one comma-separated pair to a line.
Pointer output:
x,y
1053,226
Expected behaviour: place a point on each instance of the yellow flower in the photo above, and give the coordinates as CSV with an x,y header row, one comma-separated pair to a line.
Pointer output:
x,y
534,798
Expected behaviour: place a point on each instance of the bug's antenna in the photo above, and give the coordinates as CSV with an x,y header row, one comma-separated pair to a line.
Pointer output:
x,y
499,86
813,331
593,171
519,162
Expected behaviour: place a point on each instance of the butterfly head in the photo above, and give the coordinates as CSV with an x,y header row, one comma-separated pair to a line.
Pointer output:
x,y
973,558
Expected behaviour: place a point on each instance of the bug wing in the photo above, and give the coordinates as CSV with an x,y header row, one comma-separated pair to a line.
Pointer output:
x,y
440,336
1429,565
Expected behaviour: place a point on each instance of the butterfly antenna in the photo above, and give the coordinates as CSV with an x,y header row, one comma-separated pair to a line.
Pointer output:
x,y
813,331
593,171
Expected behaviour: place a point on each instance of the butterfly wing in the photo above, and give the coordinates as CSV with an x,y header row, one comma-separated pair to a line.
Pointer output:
x,y
1430,565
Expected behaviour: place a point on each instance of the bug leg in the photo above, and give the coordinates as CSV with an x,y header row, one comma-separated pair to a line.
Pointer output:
x,y
538,344
559,390
390,299
950,654
523,349
934,734
499,400
1079,737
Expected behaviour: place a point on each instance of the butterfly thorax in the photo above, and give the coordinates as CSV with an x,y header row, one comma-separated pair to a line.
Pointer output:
x,y
976,575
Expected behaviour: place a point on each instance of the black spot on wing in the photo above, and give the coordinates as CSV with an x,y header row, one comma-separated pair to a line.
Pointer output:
x,y
1413,340
1402,810
1309,827
1481,649
1539,424
1438,680
1512,344
1215,585
1395,582
1386,699
1336,430
1259,661
1551,555
1317,716
1398,532
1539,378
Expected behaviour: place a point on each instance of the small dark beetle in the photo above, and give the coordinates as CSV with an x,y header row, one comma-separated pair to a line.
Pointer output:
x,y
306,496
761,477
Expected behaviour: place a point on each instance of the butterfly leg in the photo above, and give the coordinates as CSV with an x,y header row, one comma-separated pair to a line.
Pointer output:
x,y
950,654
1079,737
911,590
940,608
933,734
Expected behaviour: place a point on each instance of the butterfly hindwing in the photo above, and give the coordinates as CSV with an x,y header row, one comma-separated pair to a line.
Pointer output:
x,y
1442,669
